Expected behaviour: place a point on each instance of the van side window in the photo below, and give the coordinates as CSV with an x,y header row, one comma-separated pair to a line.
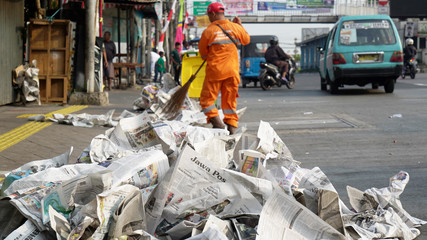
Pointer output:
x,y
332,39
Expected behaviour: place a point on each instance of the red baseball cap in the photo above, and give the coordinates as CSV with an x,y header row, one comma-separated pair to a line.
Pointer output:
x,y
215,7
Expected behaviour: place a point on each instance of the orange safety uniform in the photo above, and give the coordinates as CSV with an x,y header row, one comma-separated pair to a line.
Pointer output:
x,y
222,70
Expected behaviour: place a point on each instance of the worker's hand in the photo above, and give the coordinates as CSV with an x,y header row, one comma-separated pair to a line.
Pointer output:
x,y
237,20
105,63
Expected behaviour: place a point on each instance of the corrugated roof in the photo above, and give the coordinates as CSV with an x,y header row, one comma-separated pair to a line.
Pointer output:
x,y
312,39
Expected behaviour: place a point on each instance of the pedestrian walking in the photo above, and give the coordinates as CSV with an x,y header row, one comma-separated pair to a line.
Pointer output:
x,y
160,67
176,62
109,53
217,46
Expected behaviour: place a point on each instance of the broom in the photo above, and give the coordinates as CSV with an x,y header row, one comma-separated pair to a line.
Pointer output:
x,y
174,104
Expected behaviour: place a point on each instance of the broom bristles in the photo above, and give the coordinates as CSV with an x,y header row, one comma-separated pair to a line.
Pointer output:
x,y
174,104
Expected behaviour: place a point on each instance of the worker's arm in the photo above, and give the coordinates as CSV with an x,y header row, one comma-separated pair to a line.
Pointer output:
x,y
243,36
203,45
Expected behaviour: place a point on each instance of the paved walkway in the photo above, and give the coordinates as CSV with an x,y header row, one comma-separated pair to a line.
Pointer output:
x,y
22,141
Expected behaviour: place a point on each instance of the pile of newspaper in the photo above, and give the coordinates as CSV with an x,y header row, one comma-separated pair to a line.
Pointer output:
x,y
26,82
150,178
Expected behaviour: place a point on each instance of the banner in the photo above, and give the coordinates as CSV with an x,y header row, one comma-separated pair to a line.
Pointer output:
x,y
238,6
159,10
271,6
200,8
315,3
422,27
179,37
165,27
202,21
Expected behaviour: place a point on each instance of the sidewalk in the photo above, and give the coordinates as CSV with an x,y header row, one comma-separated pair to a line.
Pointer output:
x,y
34,141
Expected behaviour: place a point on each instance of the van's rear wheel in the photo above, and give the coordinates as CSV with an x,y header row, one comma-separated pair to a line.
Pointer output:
x,y
323,84
389,86
333,87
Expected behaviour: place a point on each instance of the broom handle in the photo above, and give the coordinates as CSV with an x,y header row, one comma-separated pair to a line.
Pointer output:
x,y
199,68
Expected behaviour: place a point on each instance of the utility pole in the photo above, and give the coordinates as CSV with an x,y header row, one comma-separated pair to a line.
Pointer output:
x,y
90,45
148,48
133,47
296,47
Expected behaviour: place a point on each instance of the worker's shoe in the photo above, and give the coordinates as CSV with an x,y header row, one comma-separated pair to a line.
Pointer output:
x,y
216,122
231,129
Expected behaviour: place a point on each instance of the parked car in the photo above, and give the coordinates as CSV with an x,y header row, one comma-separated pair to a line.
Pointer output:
x,y
251,57
361,50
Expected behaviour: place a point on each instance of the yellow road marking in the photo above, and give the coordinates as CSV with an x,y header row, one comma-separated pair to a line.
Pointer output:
x,y
27,115
20,133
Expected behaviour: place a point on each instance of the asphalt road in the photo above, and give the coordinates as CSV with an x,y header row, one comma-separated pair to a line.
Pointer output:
x,y
350,136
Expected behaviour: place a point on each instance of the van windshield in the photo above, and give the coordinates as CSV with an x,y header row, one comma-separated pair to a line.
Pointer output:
x,y
367,32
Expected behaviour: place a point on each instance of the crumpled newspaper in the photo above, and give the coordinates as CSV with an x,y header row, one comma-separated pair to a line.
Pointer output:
x,y
85,119
25,78
153,178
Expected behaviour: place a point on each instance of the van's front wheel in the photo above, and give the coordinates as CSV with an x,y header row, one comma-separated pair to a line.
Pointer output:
x,y
389,86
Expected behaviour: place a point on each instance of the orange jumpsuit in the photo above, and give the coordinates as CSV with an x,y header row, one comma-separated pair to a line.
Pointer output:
x,y
222,70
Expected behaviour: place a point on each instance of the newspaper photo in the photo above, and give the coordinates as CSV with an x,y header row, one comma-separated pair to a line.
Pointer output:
x,y
134,132
250,160
79,190
212,198
142,169
30,203
34,167
50,175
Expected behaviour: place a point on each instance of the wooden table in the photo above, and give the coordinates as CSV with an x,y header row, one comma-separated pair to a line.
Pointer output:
x,y
127,66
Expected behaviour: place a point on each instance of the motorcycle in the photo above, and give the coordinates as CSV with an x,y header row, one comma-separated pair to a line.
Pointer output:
x,y
410,68
270,76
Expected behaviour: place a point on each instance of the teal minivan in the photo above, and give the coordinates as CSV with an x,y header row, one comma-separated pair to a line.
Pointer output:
x,y
361,50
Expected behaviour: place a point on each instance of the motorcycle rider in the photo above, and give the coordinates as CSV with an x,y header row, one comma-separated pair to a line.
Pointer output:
x,y
410,51
275,55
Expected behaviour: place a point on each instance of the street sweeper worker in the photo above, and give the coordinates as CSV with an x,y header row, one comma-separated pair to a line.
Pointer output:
x,y
222,70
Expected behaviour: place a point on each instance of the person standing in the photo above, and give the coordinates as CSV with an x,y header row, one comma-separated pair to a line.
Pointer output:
x,y
222,69
160,67
109,53
185,45
176,62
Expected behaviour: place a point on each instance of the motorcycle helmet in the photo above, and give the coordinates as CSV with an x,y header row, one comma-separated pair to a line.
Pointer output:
x,y
274,40
409,41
